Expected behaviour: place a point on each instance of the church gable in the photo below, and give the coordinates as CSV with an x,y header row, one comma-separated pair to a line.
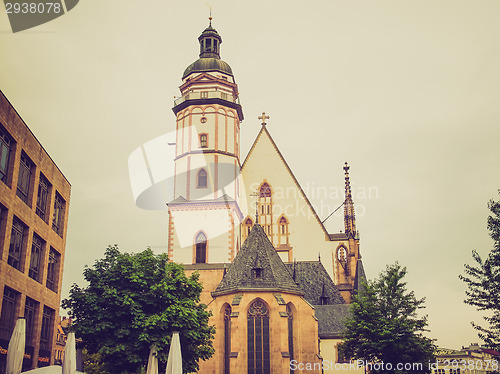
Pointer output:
x,y
292,224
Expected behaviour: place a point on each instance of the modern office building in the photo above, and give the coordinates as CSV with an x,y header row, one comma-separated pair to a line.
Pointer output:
x,y
34,202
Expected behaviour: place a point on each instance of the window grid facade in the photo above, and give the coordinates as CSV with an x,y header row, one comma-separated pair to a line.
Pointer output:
x,y
16,244
26,168
53,269
42,197
47,328
58,219
5,146
8,313
35,259
30,311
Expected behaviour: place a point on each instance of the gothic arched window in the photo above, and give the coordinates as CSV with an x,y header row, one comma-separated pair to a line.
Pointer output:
x,y
202,179
247,227
258,338
227,338
266,209
201,248
290,333
282,230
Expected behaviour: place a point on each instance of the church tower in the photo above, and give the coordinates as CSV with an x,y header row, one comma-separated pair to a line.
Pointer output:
x,y
348,265
205,214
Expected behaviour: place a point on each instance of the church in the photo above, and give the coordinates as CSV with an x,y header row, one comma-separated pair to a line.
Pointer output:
x,y
277,282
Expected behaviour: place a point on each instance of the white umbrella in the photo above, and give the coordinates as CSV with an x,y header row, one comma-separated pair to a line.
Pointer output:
x,y
15,353
152,361
52,369
69,360
174,364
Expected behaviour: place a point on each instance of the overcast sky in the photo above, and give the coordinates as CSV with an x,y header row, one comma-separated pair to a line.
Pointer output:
x,y
407,92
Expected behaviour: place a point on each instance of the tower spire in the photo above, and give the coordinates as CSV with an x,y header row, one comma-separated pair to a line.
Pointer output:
x,y
349,217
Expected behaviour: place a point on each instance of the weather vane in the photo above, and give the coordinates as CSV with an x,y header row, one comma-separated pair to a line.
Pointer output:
x,y
256,195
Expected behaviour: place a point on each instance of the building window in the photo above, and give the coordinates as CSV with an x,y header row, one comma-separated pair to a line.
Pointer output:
x,y
26,168
290,333
454,371
53,270
58,218
30,311
203,140
5,147
7,318
265,209
227,339
201,248
440,371
16,244
247,227
204,94
202,179
283,231
43,197
36,255
47,328
258,339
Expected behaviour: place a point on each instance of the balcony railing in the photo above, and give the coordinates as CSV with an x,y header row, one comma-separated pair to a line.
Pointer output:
x,y
207,95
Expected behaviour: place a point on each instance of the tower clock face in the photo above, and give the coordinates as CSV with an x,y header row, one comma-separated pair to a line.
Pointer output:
x,y
342,254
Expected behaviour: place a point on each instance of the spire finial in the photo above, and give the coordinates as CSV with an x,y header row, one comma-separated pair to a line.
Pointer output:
x,y
210,18
349,218
263,117
256,195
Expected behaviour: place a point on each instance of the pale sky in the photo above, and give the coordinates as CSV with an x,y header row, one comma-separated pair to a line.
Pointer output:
x,y
406,91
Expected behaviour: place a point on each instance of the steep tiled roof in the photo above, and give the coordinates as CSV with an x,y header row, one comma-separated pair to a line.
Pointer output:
x,y
257,255
314,281
331,320
360,277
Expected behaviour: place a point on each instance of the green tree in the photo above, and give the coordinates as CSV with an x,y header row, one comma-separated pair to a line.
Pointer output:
x,y
384,330
135,300
483,281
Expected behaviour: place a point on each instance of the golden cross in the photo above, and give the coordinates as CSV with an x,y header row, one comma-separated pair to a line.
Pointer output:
x,y
263,118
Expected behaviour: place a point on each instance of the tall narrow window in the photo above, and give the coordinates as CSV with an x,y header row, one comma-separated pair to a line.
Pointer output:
x,y
227,339
58,219
258,339
266,210
247,227
26,168
203,141
283,231
30,310
53,270
201,248
202,179
8,313
47,328
36,254
43,197
16,244
5,146
290,334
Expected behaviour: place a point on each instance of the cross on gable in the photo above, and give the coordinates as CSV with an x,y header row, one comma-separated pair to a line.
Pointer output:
x,y
263,117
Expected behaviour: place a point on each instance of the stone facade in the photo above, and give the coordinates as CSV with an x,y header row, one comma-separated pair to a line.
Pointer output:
x,y
34,203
